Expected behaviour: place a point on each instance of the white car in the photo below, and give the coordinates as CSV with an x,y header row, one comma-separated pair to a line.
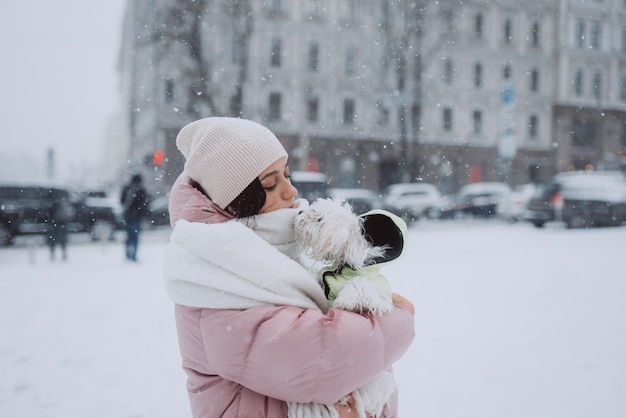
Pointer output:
x,y
518,200
484,200
414,200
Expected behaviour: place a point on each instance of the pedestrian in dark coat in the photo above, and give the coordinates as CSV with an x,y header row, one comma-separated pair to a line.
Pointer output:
x,y
61,213
134,203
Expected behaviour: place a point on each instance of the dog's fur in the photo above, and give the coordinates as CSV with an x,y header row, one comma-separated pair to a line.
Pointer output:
x,y
330,232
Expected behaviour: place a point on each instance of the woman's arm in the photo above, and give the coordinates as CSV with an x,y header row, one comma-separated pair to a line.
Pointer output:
x,y
303,355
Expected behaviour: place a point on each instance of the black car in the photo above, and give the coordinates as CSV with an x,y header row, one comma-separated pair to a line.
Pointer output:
x,y
579,200
27,210
479,200
96,213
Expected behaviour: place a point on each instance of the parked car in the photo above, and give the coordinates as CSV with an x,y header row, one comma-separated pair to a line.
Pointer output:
x,y
580,200
414,200
362,200
519,200
311,186
26,210
484,200
97,213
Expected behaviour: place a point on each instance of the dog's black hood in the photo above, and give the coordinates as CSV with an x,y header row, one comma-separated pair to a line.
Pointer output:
x,y
383,228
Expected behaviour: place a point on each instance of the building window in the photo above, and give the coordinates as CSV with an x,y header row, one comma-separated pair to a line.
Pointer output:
x,y
349,113
383,113
535,39
276,52
534,80
580,33
275,103
478,25
416,116
534,35
579,79
417,69
622,88
169,90
584,133
508,31
314,52
478,75
533,126
350,61
312,109
597,85
447,119
506,72
477,117
596,35
448,71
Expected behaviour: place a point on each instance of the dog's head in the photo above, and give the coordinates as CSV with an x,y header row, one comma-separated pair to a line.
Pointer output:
x,y
331,232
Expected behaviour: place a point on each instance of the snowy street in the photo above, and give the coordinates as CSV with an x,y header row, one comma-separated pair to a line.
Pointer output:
x,y
511,321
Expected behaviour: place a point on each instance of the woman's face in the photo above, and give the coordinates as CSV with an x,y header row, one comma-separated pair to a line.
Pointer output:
x,y
279,192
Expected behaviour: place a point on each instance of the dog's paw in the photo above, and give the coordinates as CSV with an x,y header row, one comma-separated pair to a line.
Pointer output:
x,y
360,295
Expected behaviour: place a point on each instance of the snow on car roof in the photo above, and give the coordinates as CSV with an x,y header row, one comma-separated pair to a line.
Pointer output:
x,y
308,176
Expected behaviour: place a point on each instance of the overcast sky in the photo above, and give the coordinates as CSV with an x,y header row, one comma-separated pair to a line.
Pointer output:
x,y
59,82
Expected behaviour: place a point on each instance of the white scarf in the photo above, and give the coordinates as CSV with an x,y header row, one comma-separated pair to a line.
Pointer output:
x,y
228,266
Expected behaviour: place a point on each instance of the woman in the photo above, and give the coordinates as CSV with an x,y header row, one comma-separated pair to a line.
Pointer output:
x,y
254,327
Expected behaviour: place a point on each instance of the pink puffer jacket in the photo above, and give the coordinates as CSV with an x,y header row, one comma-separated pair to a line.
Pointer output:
x,y
247,363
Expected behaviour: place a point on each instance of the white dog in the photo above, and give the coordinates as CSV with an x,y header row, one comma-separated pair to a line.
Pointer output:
x,y
352,248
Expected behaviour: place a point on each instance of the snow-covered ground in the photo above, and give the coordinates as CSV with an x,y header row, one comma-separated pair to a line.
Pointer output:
x,y
512,321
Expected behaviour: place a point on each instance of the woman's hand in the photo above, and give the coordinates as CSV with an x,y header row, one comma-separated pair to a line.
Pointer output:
x,y
347,408
399,300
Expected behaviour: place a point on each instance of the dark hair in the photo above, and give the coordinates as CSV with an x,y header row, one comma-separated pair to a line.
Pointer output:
x,y
248,203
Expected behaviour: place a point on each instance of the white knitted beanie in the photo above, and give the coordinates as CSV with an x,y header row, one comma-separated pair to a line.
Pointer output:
x,y
224,155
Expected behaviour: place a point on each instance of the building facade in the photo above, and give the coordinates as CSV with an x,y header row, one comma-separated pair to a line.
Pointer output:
x,y
373,92
589,123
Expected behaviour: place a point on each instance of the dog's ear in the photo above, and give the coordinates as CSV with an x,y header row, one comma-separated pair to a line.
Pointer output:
x,y
383,229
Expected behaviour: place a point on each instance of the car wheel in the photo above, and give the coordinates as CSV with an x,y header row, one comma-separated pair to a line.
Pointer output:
x,y
539,224
102,230
6,236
